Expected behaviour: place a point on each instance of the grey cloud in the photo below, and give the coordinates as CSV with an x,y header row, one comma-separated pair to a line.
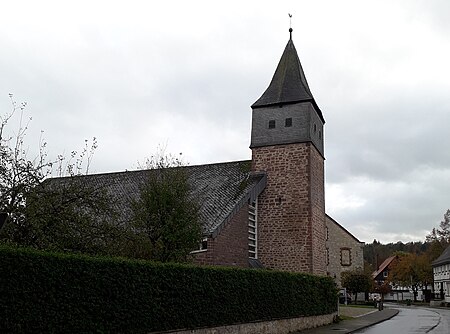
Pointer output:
x,y
135,78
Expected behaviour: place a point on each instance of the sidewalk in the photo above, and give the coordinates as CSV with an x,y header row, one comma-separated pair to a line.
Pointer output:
x,y
355,324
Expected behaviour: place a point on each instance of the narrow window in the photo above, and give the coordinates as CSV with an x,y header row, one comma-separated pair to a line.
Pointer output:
x,y
288,122
320,135
272,124
346,257
315,128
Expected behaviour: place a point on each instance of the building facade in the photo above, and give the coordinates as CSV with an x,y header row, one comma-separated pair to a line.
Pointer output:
x,y
344,251
441,276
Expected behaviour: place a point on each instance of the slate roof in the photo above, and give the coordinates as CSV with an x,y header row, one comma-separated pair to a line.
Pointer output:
x,y
223,188
444,258
288,84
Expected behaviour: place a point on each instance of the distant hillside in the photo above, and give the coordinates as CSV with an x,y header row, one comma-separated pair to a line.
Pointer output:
x,y
375,253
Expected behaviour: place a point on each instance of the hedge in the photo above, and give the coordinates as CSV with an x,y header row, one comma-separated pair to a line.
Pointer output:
x,y
62,293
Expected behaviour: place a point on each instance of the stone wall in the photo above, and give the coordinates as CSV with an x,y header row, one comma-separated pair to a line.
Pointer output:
x,y
282,326
318,211
230,247
291,212
344,251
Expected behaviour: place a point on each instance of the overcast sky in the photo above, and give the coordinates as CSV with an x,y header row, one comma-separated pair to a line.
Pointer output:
x,y
183,74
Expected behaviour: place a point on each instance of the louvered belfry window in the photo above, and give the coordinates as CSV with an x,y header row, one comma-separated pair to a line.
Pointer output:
x,y
252,230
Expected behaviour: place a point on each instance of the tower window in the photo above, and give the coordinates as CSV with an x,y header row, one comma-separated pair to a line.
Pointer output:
x,y
272,124
320,135
315,128
288,122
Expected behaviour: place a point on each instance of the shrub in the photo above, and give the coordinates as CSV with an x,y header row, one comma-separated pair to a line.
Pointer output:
x,y
54,293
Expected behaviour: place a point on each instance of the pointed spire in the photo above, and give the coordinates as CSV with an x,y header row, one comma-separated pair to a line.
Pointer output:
x,y
289,83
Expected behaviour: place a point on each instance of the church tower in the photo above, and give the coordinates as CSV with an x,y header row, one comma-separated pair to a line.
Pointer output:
x,y
287,143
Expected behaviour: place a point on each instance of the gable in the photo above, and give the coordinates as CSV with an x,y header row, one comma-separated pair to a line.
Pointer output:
x,y
330,220
384,266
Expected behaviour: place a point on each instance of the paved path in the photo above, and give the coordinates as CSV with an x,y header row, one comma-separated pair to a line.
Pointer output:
x,y
353,325
414,320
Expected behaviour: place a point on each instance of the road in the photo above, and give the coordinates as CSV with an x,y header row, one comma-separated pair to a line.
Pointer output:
x,y
412,320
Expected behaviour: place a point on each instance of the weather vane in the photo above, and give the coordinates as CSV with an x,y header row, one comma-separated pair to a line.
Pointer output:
x,y
290,25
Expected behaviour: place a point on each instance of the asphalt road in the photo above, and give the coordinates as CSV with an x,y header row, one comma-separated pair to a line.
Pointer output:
x,y
412,320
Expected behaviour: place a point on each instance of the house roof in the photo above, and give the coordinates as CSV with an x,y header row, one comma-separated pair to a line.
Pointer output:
x,y
444,258
222,188
344,229
288,84
383,266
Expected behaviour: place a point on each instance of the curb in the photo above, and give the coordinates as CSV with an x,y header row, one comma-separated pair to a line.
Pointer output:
x,y
362,315
375,322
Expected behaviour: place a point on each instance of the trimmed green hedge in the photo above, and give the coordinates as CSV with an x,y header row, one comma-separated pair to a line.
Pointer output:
x,y
61,293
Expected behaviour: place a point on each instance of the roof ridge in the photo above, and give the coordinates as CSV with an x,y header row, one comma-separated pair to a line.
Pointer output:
x,y
383,265
147,169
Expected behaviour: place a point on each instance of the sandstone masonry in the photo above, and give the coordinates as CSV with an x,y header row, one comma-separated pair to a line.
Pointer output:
x,y
291,215
230,246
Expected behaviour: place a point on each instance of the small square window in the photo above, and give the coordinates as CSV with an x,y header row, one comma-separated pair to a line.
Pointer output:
x,y
288,122
272,124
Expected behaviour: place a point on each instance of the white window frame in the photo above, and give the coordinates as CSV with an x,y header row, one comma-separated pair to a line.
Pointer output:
x,y
200,247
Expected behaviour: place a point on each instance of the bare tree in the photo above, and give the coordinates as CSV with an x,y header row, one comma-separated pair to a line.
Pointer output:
x,y
61,214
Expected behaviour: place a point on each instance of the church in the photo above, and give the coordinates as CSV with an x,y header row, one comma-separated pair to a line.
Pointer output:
x,y
268,212
281,221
